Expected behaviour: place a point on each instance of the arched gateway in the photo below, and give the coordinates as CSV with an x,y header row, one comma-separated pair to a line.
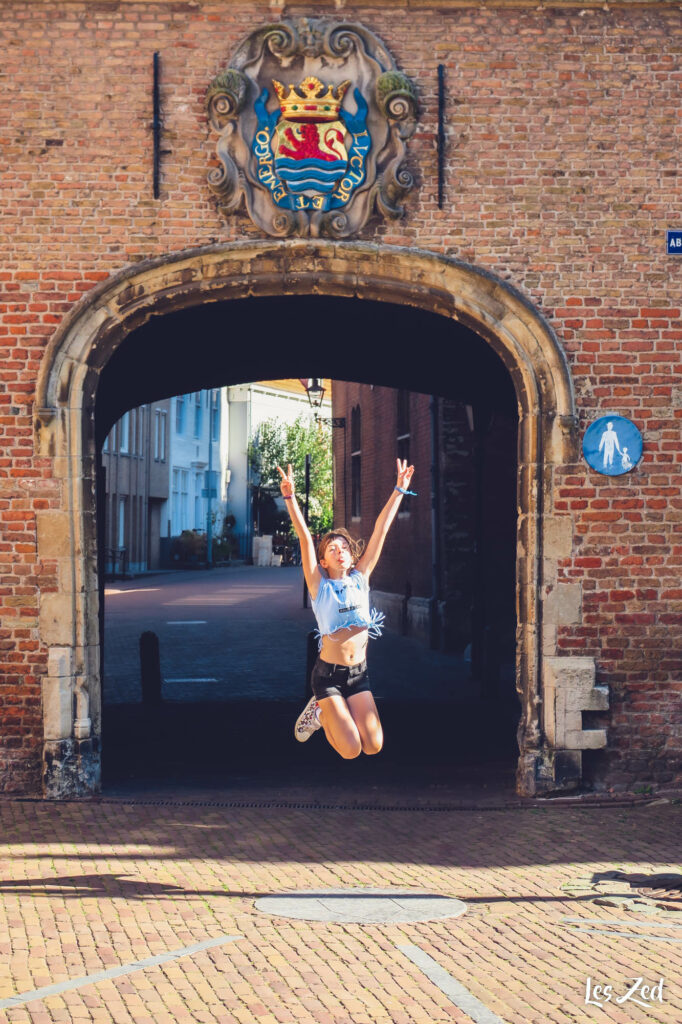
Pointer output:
x,y
91,333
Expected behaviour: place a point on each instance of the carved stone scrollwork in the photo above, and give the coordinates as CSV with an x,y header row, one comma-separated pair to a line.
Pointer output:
x,y
224,102
312,119
397,98
225,97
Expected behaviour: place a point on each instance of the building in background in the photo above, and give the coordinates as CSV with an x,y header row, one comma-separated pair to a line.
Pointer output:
x,y
446,574
135,465
162,460
249,406
156,461
198,462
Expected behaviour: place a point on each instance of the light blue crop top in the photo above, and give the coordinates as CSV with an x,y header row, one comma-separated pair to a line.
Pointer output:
x,y
343,603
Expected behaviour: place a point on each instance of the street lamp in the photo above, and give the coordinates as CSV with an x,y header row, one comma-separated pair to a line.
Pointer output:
x,y
315,391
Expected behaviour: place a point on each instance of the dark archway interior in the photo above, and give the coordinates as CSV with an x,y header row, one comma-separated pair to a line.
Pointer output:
x,y
300,336
239,341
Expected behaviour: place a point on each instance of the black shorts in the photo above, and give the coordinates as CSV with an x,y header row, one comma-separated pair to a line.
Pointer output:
x,y
329,680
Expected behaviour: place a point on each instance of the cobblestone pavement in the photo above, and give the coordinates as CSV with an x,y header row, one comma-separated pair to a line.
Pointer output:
x,y
245,629
90,887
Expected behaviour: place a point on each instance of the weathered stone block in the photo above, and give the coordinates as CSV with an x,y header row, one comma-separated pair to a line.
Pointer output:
x,y
549,639
558,536
563,605
585,739
71,768
57,707
568,691
56,618
59,662
54,534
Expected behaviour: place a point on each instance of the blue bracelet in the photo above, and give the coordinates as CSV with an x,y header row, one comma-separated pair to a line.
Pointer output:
x,y
403,491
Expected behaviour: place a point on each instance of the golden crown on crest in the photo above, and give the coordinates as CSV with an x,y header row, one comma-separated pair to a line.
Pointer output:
x,y
310,102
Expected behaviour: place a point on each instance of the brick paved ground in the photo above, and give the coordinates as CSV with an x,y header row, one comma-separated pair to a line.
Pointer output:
x,y
89,886
253,642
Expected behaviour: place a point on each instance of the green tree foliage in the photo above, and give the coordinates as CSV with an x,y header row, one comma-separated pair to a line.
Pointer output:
x,y
278,443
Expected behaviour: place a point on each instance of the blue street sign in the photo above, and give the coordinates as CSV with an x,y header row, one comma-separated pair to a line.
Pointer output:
x,y
209,492
675,242
612,445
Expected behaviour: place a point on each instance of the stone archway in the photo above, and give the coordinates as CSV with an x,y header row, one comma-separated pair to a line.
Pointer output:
x,y
64,419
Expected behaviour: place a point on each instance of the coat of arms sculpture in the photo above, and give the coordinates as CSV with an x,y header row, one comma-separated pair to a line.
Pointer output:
x,y
313,117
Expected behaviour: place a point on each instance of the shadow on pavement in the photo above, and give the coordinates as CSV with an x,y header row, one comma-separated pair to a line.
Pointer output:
x,y
116,833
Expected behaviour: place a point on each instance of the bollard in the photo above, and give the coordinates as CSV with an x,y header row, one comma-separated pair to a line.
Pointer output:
x,y
150,668
311,658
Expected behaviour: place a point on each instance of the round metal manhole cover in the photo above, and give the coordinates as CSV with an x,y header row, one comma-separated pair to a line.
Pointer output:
x,y
361,905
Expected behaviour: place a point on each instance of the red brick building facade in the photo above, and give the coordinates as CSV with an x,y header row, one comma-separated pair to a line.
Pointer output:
x,y
561,174
447,570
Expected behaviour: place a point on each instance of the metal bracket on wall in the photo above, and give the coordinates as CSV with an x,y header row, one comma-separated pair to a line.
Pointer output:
x,y
157,125
441,135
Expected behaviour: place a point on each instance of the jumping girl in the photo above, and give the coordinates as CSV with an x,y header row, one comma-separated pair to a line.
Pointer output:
x,y
338,582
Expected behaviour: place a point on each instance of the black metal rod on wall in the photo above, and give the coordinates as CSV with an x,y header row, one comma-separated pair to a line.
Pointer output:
x,y
441,135
156,125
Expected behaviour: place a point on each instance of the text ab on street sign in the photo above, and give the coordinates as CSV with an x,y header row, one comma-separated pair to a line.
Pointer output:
x,y
675,242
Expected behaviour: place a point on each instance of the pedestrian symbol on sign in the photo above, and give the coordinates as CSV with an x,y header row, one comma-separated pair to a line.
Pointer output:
x,y
612,445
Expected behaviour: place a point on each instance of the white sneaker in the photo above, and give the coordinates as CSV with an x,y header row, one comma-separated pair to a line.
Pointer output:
x,y
307,722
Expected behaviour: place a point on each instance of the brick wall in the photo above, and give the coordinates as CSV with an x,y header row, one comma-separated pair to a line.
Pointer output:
x,y
405,565
476,517
561,176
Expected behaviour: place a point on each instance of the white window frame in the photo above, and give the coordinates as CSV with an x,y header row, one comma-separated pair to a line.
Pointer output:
x,y
198,415
121,522
124,434
184,500
180,414
140,431
215,416
199,517
160,418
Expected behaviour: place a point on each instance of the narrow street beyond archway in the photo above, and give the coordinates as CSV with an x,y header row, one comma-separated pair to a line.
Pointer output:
x,y
233,664
240,634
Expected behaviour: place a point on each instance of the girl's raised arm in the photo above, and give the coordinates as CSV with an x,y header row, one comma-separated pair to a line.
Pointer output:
x,y
311,569
370,555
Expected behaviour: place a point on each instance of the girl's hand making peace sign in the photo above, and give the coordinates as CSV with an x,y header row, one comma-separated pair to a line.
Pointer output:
x,y
286,484
311,570
404,473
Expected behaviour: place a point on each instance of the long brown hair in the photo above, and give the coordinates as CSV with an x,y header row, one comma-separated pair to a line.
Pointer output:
x,y
356,546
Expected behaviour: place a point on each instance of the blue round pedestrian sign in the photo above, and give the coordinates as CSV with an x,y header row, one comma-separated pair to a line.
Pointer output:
x,y
612,445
